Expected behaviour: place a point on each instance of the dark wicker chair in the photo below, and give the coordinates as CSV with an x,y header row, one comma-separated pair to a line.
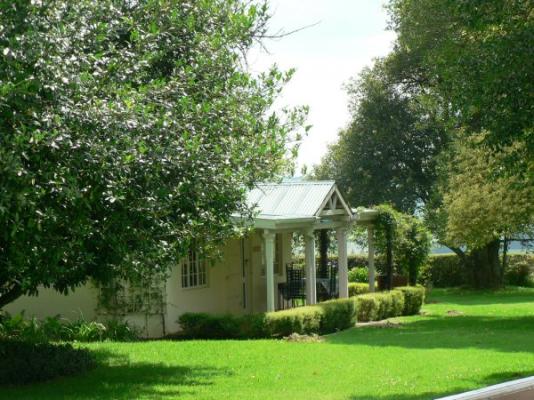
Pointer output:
x,y
294,289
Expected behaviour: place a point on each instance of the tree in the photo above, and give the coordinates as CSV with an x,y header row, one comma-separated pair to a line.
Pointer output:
x,y
403,239
480,210
476,57
130,131
388,151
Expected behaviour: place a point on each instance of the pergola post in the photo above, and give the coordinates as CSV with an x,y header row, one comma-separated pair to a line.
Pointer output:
x,y
268,237
371,257
343,273
309,259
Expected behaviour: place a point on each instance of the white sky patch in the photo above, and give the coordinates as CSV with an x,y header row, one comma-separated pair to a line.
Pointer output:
x,y
349,34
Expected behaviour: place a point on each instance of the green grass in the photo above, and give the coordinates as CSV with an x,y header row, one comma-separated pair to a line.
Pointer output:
x,y
492,340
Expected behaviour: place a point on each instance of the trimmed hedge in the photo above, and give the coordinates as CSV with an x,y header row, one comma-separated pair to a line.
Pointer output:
x,y
322,318
381,305
226,326
356,288
446,270
414,297
29,362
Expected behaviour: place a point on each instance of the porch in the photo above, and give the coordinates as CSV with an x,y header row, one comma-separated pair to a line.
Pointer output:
x,y
306,207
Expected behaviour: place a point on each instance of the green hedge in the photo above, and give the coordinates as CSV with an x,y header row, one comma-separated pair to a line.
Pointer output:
x,y
322,318
225,326
381,305
414,297
446,270
356,288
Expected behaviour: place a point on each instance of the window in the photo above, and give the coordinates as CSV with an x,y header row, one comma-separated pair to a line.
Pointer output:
x,y
193,270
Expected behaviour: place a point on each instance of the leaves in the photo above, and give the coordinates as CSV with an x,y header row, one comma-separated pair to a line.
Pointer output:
x,y
125,126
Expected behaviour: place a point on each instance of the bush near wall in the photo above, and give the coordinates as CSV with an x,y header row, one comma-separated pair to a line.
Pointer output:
x,y
17,327
446,270
322,318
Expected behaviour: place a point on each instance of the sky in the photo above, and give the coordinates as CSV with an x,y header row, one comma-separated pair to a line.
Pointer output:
x,y
347,36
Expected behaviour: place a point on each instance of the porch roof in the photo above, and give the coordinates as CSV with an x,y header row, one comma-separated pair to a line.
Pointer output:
x,y
293,203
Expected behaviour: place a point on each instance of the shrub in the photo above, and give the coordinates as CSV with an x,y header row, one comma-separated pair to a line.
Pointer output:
x,y
358,274
322,318
367,306
28,362
358,288
444,270
224,326
519,273
380,305
337,315
55,329
301,320
414,296
397,306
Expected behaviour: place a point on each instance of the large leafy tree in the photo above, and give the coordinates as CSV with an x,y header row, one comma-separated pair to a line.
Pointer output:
x,y
474,58
388,151
479,208
128,130
477,56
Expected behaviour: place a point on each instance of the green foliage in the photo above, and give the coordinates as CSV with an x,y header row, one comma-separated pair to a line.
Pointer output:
x,y
381,305
367,306
227,326
406,237
387,153
337,315
128,132
482,207
358,274
463,53
520,273
322,318
356,288
444,270
447,270
55,329
414,297
28,362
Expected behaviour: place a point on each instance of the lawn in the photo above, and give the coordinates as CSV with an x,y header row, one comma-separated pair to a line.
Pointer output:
x,y
464,340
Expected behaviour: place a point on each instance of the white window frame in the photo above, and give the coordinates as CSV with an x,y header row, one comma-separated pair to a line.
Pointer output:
x,y
193,271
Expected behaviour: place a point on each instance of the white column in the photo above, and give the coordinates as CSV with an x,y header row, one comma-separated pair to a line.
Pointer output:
x,y
342,263
371,257
309,258
268,237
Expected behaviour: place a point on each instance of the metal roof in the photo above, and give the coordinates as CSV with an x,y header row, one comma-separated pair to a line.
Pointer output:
x,y
290,199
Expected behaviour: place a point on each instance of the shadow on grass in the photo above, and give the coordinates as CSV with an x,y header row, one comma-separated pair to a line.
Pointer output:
x,y
507,334
117,378
489,380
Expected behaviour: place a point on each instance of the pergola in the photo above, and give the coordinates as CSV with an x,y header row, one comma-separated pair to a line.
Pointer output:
x,y
307,206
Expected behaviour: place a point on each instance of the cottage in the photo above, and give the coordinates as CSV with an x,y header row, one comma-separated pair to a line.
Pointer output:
x,y
251,276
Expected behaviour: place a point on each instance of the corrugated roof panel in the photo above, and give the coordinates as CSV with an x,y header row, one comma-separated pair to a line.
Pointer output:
x,y
289,199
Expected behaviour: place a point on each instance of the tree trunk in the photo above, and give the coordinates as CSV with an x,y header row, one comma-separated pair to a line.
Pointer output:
x,y
485,266
11,295
324,243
